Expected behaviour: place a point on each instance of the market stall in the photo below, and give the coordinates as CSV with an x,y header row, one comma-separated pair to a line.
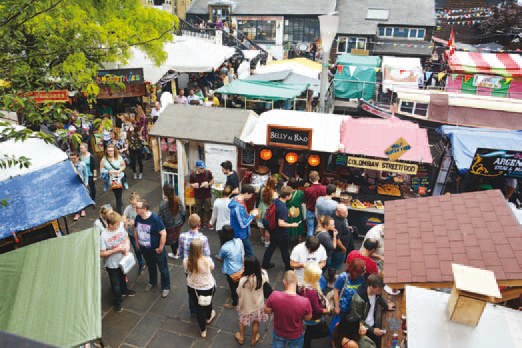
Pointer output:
x,y
356,76
262,96
382,160
37,196
400,72
188,133
51,291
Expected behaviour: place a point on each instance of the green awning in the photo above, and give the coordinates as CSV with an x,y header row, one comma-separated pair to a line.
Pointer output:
x,y
51,290
263,89
355,76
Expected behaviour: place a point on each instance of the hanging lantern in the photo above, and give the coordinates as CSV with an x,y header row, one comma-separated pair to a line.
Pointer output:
x,y
314,160
291,157
265,154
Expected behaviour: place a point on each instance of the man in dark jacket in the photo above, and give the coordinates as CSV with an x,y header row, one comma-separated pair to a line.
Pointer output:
x,y
364,303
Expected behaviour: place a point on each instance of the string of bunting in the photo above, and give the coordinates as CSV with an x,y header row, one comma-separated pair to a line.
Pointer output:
x,y
430,45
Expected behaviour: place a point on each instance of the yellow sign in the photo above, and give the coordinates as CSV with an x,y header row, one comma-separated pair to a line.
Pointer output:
x,y
368,163
397,149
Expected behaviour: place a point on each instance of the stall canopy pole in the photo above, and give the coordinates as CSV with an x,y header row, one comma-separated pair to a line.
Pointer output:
x,y
161,160
181,172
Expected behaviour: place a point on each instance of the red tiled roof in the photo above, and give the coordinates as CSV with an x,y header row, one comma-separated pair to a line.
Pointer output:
x,y
424,236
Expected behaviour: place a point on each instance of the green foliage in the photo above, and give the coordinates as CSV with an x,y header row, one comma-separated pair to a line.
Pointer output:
x,y
11,161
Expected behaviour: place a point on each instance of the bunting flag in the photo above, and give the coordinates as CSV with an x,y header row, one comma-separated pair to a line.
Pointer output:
x,y
377,69
428,75
508,80
340,69
466,78
440,76
352,69
453,77
451,44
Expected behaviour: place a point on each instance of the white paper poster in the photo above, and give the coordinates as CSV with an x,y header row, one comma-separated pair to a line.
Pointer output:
x,y
214,155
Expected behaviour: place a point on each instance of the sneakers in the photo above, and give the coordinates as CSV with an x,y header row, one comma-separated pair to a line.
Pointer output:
x,y
229,306
267,244
129,293
135,176
173,256
149,287
118,309
268,265
83,213
165,293
141,269
76,217
141,176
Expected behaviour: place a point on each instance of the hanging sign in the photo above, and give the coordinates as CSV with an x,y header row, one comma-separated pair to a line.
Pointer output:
x,y
493,162
388,166
397,149
50,96
126,76
298,138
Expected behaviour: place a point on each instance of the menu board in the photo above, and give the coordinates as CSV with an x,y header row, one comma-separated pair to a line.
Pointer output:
x,y
216,154
421,182
248,156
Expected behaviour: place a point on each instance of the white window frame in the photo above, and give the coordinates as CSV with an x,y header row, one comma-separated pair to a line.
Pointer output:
x,y
402,38
347,38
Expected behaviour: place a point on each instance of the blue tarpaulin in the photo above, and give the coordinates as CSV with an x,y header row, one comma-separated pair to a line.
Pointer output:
x,y
41,196
465,142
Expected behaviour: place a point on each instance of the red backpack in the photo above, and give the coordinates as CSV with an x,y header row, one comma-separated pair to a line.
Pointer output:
x,y
270,220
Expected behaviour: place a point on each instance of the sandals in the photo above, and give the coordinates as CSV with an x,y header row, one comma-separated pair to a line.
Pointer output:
x,y
204,333
212,316
255,340
239,339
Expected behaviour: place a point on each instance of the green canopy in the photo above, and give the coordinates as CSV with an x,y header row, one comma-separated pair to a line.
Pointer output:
x,y
352,71
263,89
51,290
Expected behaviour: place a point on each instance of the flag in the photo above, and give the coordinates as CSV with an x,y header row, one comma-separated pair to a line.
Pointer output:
x,y
340,69
451,44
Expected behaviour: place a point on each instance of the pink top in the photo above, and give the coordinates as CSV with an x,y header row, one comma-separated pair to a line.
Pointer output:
x,y
289,311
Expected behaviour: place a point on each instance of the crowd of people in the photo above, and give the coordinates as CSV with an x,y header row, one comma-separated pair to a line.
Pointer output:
x,y
324,274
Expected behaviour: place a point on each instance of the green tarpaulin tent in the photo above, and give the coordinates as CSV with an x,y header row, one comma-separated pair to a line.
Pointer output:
x,y
263,89
50,291
352,71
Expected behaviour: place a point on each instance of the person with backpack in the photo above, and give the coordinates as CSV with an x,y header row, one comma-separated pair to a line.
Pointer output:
x,y
201,180
277,217
240,219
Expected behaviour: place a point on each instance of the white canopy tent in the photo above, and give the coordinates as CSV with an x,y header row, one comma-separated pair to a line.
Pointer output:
x,y
326,127
184,55
400,71
295,67
40,154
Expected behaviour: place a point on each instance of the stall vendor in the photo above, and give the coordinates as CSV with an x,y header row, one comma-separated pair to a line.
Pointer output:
x,y
286,169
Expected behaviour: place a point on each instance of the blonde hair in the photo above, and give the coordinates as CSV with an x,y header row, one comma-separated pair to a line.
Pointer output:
x,y
195,254
139,111
313,175
104,210
113,218
193,221
312,274
134,197
324,221
290,277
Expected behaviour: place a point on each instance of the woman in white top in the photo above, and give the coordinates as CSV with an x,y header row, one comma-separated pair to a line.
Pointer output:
x,y
221,212
200,283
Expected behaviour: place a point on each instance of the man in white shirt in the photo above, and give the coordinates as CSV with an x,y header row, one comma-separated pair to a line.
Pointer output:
x,y
377,233
309,251
180,98
155,113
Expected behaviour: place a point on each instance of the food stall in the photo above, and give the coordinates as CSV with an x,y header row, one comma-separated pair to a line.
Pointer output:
x,y
187,133
382,160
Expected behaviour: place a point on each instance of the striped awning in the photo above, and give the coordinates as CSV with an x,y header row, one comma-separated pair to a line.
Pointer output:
x,y
502,64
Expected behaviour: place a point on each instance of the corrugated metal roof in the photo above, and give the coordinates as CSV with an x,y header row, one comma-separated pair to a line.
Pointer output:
x,y
353,13
270,7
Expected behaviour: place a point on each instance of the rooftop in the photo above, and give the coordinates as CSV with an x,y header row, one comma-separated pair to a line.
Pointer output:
x,y
424,236
353,14
270,7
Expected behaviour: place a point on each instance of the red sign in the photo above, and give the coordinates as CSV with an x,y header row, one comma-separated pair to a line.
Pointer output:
x,y
51,96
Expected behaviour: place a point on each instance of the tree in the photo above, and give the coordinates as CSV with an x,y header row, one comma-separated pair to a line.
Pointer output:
x,y
504,26
60,44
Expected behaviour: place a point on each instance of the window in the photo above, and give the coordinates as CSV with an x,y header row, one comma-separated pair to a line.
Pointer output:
x,y
407,107
421,109
302,30
414,108
258,30
402,33
347,44
377,13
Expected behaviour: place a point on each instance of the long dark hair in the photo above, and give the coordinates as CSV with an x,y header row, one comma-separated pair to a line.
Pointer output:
x,y
172,199
251,266
347,328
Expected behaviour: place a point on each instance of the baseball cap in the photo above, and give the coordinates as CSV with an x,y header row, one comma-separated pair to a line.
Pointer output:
x,y
200,164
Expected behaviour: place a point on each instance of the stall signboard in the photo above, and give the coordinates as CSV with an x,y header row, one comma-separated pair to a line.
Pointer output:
x,y
126,76
248,156
494,162
290,137
375,164
215,154
421,182
106,92
50,96
397,149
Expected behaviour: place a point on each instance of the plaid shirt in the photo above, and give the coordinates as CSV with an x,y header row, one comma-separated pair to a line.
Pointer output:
x,y
186,238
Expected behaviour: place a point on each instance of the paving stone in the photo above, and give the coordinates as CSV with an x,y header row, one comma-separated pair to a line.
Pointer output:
x,y
189,328
145,330
170,305
164,339
116,327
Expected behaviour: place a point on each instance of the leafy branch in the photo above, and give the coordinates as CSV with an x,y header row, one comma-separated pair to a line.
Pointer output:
x,y
12,161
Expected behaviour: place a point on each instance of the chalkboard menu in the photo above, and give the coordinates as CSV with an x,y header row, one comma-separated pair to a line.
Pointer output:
x,y
421,182
248,156
299,138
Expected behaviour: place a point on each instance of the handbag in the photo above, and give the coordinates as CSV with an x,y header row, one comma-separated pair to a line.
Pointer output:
x,y
267,290
203,300
127,262
236,276
114,180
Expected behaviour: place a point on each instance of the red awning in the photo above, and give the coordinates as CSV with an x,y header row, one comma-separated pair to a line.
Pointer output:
x,y
502,64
